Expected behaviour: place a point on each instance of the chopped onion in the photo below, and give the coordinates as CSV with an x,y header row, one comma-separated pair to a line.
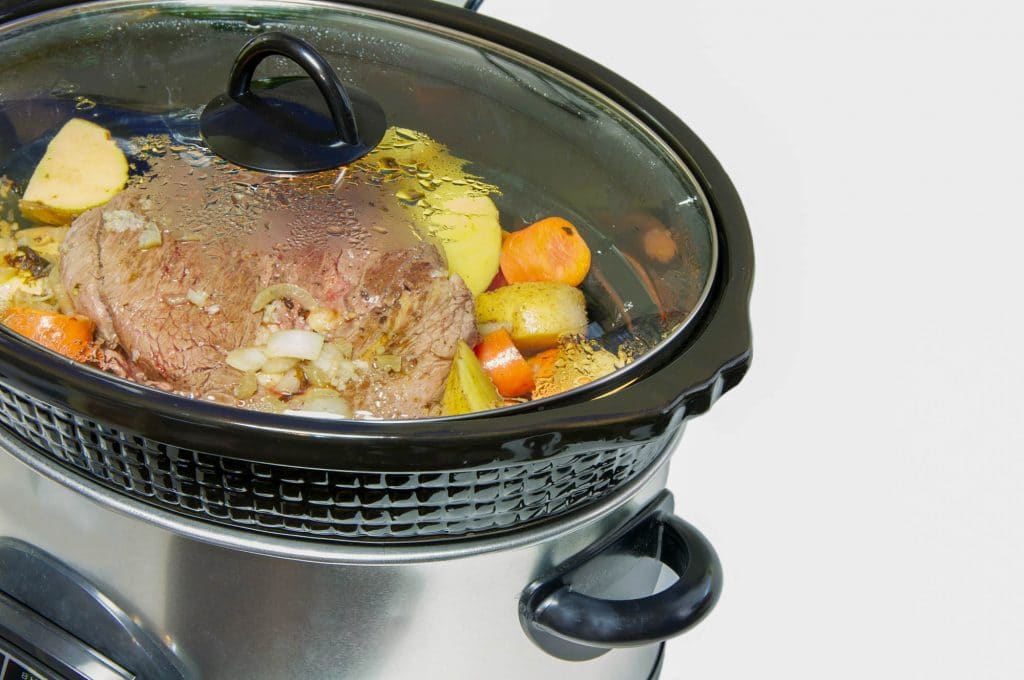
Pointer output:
x,y
197,297
247,359
321,319
322,401
150,237
316,393
247,387
332,367
288,383
296,344
316,376
346,371
389,362
268,404
345,346
268,380
282,290
278,364
330,357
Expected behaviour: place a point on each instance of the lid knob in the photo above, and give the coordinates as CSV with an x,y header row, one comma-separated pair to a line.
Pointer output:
x,y
278,125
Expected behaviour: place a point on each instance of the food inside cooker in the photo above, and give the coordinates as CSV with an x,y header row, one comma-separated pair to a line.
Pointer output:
x,y
387,289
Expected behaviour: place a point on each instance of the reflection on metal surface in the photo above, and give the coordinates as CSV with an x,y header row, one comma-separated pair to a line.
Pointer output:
x,y
331,618
357,614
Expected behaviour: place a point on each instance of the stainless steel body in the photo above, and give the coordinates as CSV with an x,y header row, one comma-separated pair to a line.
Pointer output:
x,y
233,604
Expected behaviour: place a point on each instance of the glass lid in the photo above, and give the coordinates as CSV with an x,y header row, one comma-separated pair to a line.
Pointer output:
x,y
329,211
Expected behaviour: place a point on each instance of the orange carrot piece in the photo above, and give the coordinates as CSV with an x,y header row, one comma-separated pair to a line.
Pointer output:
x,y
659,244
548,250
543,364
68,335
504,365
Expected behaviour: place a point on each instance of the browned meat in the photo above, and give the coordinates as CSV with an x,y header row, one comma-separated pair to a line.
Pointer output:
x,y
227,234
138,300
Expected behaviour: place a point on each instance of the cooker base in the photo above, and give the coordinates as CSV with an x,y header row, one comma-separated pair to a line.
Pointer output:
x,y
656,673
253,609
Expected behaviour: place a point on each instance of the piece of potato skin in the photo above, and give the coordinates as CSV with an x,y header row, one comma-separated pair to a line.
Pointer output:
x,y
536,314
83,168
468,388
43,214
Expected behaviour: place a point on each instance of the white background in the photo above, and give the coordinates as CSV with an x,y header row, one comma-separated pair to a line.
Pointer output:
x,y
863,485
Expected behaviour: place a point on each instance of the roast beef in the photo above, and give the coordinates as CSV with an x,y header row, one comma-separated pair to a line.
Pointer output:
x,y
228,233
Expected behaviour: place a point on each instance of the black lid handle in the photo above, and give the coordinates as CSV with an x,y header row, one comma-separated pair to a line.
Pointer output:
x,y
316,67
554,614
280,125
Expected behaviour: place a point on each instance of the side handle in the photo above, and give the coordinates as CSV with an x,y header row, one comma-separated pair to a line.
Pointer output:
x,y
551,607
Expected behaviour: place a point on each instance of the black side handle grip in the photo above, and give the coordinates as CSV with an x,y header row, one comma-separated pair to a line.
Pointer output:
x,y
555,608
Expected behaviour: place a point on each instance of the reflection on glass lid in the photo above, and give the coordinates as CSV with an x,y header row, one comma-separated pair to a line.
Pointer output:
x,y
514,235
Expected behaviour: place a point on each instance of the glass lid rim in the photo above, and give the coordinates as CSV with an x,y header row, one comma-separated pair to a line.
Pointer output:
x,y
661,352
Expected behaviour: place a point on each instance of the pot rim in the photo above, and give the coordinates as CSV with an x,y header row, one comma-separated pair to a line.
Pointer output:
x,y
633,404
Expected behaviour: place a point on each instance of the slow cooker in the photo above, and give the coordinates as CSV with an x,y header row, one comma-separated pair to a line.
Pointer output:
x,y
150,535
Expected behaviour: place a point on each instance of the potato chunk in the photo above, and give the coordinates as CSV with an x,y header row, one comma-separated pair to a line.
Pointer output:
x,y
451,207
468,388
536,314
83,167
469,234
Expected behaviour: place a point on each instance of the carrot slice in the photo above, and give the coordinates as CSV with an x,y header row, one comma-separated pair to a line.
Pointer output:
x,y
504,364
659,244
68,335
548,250
543,364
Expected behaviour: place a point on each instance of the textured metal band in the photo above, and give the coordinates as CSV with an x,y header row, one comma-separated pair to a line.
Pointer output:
x,y
323,504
